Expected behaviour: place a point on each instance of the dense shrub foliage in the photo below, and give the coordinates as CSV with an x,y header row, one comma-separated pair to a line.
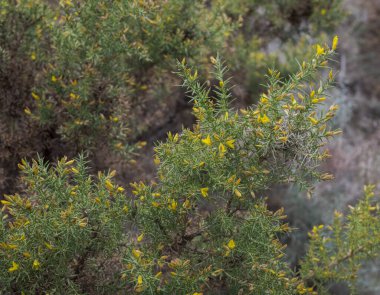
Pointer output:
x,y
69,223
202,226
79,74
106,55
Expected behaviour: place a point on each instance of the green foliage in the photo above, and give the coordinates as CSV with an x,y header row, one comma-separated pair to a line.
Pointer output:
x,y
276,33
107,55
201,228
203,216
77,75
67,224
337,251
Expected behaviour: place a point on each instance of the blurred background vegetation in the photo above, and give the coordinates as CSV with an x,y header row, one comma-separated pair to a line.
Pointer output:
x,y
97,76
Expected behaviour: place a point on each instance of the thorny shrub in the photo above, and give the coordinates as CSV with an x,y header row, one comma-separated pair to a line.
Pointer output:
x,y
80,74
203,225
107,55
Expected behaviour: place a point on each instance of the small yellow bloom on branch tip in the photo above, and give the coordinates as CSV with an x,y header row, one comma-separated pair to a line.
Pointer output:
x,y
313,120
230,143
231,244
204,192
14,267
136,253
49,246
27,111
320,50
139,280
237,193
36,264
109,185
140,237
222,149
263,119
156,160
173,205
207,140
335,43
74,170
35,96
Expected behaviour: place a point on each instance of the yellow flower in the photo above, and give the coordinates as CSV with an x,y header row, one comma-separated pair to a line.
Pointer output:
x,y
156,160
137,253
49,246
335,43
320,50
140,237
33,56
26,254
331,75
197,293
155,204
204,192
27,111
231,244
186,204
35,96
14,267
173,205
74,170
53,78
120,189
207,140
313,120
139,288
237,193
263,119
36,264
230,143
222,149
109,185
83,222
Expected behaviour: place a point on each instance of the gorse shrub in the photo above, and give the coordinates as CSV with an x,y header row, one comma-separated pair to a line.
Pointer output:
x,y
68,223
106,55
202,223
77,75
337,251
203,226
